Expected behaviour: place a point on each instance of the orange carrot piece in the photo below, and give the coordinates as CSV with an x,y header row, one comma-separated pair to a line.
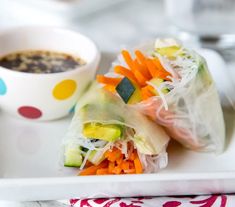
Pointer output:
x,y
152,68
127,57
130,171
138,165
133,155
119,160
149,90
142,69
132,166
140,57
125,72
111,167
88,164
158,64
125,165
117,170
142,61
102,171
146,92
92,169
109,88
141,79
108,80
89,171
113,155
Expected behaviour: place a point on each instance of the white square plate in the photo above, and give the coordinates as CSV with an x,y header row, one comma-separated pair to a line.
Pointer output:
x,y
30,167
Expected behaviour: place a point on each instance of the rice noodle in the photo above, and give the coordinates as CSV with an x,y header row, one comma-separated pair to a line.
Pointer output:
x,y
85,159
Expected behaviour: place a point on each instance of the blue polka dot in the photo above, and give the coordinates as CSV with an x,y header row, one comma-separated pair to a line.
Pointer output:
x,y
3,87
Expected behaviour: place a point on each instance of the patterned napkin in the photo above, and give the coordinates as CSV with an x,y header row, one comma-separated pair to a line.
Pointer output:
x,y
179,201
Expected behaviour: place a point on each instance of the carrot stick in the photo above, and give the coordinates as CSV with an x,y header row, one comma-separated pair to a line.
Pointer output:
x,y
113,155
125,72
125,165
130,171
142,69
146,93
92,170
132,156
102,171
158,64
89,171
117,170
127,57
141,79
116,163
108,80
132,166
88,164
140,57
111,167
109,88
119,160
156,69
138,165
152,68
150,89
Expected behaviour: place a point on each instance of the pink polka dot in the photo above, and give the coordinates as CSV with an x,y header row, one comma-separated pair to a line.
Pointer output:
x,y
29,112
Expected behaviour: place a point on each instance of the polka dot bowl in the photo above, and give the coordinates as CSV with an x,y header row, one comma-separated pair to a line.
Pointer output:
x,y
45,96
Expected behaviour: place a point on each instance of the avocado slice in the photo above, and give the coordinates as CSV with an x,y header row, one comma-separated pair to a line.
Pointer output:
x,y
136,96
157,82
107,132
72,157
169,52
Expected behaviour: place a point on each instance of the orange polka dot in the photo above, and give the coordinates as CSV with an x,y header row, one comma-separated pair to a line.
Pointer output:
x,y
64,89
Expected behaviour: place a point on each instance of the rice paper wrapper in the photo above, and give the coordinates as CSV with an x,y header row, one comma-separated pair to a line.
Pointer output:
x,y
191,112
100,106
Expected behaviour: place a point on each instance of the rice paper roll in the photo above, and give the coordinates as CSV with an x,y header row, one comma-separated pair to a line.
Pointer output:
x,y
176,91
104,127
192,113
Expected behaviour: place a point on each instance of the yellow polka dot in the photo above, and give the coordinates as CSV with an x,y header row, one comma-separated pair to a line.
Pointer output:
x,y
64,89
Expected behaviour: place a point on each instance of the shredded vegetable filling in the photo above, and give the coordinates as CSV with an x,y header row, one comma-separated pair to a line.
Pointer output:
x,y
116,162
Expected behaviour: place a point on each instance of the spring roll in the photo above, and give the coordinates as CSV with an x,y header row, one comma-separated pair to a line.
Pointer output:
x,y
106,136
173,86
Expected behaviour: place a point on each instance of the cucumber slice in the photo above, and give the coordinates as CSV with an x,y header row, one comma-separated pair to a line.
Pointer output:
x,y
125,89
72,157
128,91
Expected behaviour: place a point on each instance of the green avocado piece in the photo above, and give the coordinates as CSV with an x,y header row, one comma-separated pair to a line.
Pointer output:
x,y
107,132
157,82
72,157
136,96
168,51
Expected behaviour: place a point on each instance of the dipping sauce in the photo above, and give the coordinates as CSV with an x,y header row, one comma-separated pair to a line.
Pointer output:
x,y
40,61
